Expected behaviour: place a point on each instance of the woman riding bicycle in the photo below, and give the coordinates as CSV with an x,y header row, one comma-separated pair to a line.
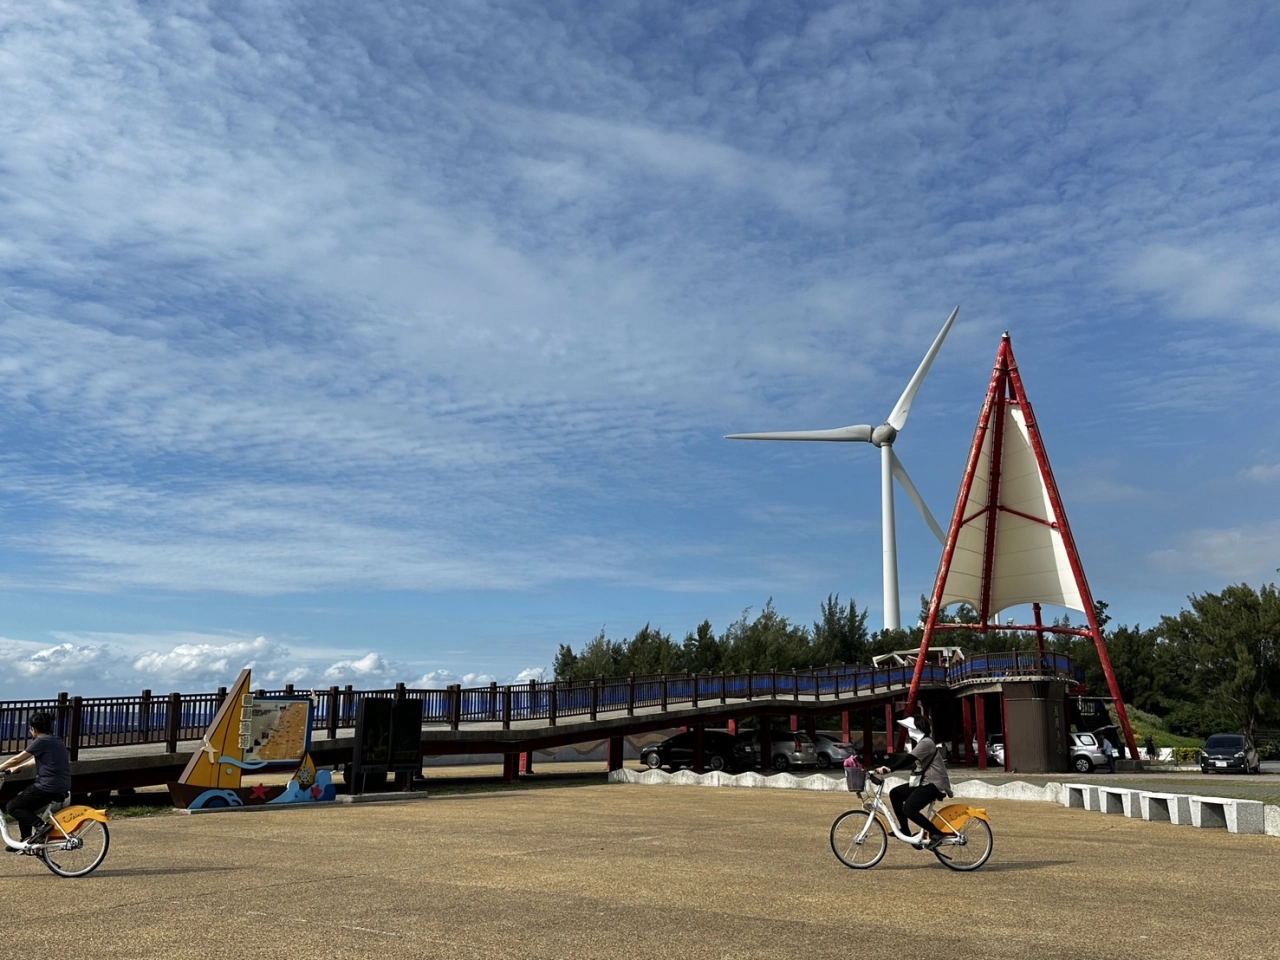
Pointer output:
x,y
53,777
908,801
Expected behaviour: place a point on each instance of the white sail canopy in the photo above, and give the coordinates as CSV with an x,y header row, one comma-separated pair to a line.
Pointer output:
x,y
1029,562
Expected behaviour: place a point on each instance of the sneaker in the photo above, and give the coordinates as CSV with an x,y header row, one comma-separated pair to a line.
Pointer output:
x,y
935,841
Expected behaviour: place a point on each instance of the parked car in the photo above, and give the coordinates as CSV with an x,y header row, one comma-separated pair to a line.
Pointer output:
x,y
787,749
720,751
995,748
832,751
1229,753
1086,752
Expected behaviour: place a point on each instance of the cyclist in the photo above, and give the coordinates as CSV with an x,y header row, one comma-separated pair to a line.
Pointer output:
x,y
53,778
908,801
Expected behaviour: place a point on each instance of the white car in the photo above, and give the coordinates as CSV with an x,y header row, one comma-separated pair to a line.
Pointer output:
x,y
1086,752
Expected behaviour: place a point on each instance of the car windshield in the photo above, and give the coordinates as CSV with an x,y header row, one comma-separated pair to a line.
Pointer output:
x,y
1224,743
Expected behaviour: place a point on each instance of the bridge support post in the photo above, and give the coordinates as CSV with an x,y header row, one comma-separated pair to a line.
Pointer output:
x,y
616,746
811,727
510,767
699,742
1004,729
526,761
888,726
866,737
845,732
966,715
980,706
953,721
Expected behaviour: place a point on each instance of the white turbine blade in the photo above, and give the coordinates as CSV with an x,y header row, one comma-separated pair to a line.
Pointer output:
x,y
900,472
861,433
902,409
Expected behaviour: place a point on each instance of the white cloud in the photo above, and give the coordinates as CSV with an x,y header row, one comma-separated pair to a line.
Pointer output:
x,y
1262,473
1248,554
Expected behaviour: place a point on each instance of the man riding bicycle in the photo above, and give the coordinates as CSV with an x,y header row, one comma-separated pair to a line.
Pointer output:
x,y
908,801
53,778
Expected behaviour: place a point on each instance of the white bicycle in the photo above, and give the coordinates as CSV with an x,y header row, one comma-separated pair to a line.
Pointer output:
x,y
860,838
75,842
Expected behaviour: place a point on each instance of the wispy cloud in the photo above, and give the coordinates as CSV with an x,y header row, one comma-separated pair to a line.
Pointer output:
x,y
436,300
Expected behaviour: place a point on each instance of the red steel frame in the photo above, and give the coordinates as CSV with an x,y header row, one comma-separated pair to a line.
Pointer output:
x,y
1006,388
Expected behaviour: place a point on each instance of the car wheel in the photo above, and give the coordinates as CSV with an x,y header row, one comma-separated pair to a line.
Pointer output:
x,y
654,761
781,763
1082,764
715,762
824,760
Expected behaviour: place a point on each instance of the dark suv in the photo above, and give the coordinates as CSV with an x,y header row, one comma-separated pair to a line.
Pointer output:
x,y
719,752
1229,753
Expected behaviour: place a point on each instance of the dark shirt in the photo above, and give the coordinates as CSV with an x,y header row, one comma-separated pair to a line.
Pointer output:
x,y
53,764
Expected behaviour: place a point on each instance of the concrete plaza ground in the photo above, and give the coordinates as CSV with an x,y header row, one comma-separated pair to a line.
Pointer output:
x,y
620,871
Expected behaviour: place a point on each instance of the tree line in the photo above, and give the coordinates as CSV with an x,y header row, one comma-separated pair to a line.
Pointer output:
x,y
1213,667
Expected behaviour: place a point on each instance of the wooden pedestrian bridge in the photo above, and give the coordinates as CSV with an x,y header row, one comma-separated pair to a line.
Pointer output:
x,y
127,742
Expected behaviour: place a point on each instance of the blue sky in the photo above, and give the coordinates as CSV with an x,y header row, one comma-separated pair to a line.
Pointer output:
x,y
398,342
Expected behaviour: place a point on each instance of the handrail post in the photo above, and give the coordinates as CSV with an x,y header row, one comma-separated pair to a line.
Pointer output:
x,y
455,706
334,710
144,716
493,700
61,717
694,700
173,724
795,684
349,706
595,698
533,699
552,689
399,694
506,708
631,695
664,693
751,684
73,737
723,694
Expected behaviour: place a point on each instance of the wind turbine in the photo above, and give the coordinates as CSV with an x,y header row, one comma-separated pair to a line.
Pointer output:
x,y
883,437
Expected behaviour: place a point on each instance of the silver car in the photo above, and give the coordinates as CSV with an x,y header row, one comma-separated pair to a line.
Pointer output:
x,y
1086,752
787,749
832,751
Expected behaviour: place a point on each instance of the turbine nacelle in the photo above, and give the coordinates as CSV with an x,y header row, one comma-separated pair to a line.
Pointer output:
x,y
884,435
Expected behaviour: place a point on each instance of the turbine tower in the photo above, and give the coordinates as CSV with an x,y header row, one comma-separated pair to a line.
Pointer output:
x,y
891,467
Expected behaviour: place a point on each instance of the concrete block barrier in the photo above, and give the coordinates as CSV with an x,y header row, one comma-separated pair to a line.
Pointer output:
x,y
1119,800
1235,816
1166,807
1080,795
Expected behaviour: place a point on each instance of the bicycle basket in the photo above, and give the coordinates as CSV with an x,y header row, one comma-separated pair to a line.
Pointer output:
x,y
855,779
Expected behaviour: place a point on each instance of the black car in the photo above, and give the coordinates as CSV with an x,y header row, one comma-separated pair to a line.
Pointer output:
x,y
1229,753
719,752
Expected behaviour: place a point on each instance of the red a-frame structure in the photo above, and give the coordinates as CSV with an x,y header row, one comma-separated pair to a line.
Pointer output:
x,y
1009,541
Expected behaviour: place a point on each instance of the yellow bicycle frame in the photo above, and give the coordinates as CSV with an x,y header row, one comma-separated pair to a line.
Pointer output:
x,y
953,817
68,820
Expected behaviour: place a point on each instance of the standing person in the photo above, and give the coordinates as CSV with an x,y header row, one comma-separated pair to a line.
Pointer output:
x,y
53,778
1109,752
909,801
1150,745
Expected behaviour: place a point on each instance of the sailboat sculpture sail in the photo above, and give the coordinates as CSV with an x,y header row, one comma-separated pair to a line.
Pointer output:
x,y
1009,543
251,735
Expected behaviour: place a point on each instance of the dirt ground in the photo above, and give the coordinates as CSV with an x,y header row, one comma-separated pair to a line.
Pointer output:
x,y
620,871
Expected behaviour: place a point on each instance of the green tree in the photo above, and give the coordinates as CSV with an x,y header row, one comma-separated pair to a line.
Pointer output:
x,y
703,652
841,635
1230,650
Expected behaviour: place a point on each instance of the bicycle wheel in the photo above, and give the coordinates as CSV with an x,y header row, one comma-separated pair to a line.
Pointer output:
x,y
846,846
79,854
970,849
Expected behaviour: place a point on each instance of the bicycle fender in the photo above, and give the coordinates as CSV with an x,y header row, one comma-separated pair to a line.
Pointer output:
x,y
69,818
956,815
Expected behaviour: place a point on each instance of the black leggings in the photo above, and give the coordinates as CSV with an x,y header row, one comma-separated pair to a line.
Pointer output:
x,y
27,804
908,801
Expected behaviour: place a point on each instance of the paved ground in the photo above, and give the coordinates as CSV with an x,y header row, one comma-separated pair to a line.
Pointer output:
x,y
620,871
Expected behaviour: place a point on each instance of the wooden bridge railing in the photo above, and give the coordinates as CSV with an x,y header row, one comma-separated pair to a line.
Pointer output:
x,y
85,722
